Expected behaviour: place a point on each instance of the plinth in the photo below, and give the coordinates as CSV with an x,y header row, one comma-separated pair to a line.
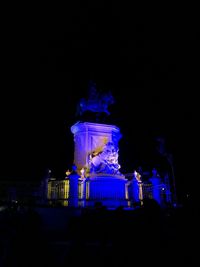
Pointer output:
x,y
104,182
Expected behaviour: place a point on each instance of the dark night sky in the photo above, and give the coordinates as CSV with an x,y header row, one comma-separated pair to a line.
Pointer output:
x,y
147,57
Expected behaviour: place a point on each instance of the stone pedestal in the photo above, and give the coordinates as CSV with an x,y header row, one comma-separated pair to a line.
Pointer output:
x,y
107,189
156,183
105,185
135,190
89,137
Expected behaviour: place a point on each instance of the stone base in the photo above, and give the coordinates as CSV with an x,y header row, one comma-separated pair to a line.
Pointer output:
x,y
109,190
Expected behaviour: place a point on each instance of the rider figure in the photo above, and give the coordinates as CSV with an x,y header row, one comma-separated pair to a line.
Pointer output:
x,y
93,94
96,102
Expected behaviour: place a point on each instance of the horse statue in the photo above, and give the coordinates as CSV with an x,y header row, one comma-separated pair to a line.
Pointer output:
x,y
95,102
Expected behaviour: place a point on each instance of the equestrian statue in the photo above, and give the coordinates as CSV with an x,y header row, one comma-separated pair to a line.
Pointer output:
x,y
96,102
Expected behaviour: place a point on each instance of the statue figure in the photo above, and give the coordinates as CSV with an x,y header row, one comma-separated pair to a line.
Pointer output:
x,y
95,102
105,161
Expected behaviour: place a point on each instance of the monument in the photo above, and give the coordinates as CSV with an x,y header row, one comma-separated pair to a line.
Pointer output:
x,y
95,177
96,151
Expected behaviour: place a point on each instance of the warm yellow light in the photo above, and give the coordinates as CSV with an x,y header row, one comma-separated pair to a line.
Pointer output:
x,y
82,171
67,172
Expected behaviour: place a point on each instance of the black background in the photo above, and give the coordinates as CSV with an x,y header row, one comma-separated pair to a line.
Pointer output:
x,y
148,56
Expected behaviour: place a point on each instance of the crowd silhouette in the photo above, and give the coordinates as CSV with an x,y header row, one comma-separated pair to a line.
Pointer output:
x,y
100,237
